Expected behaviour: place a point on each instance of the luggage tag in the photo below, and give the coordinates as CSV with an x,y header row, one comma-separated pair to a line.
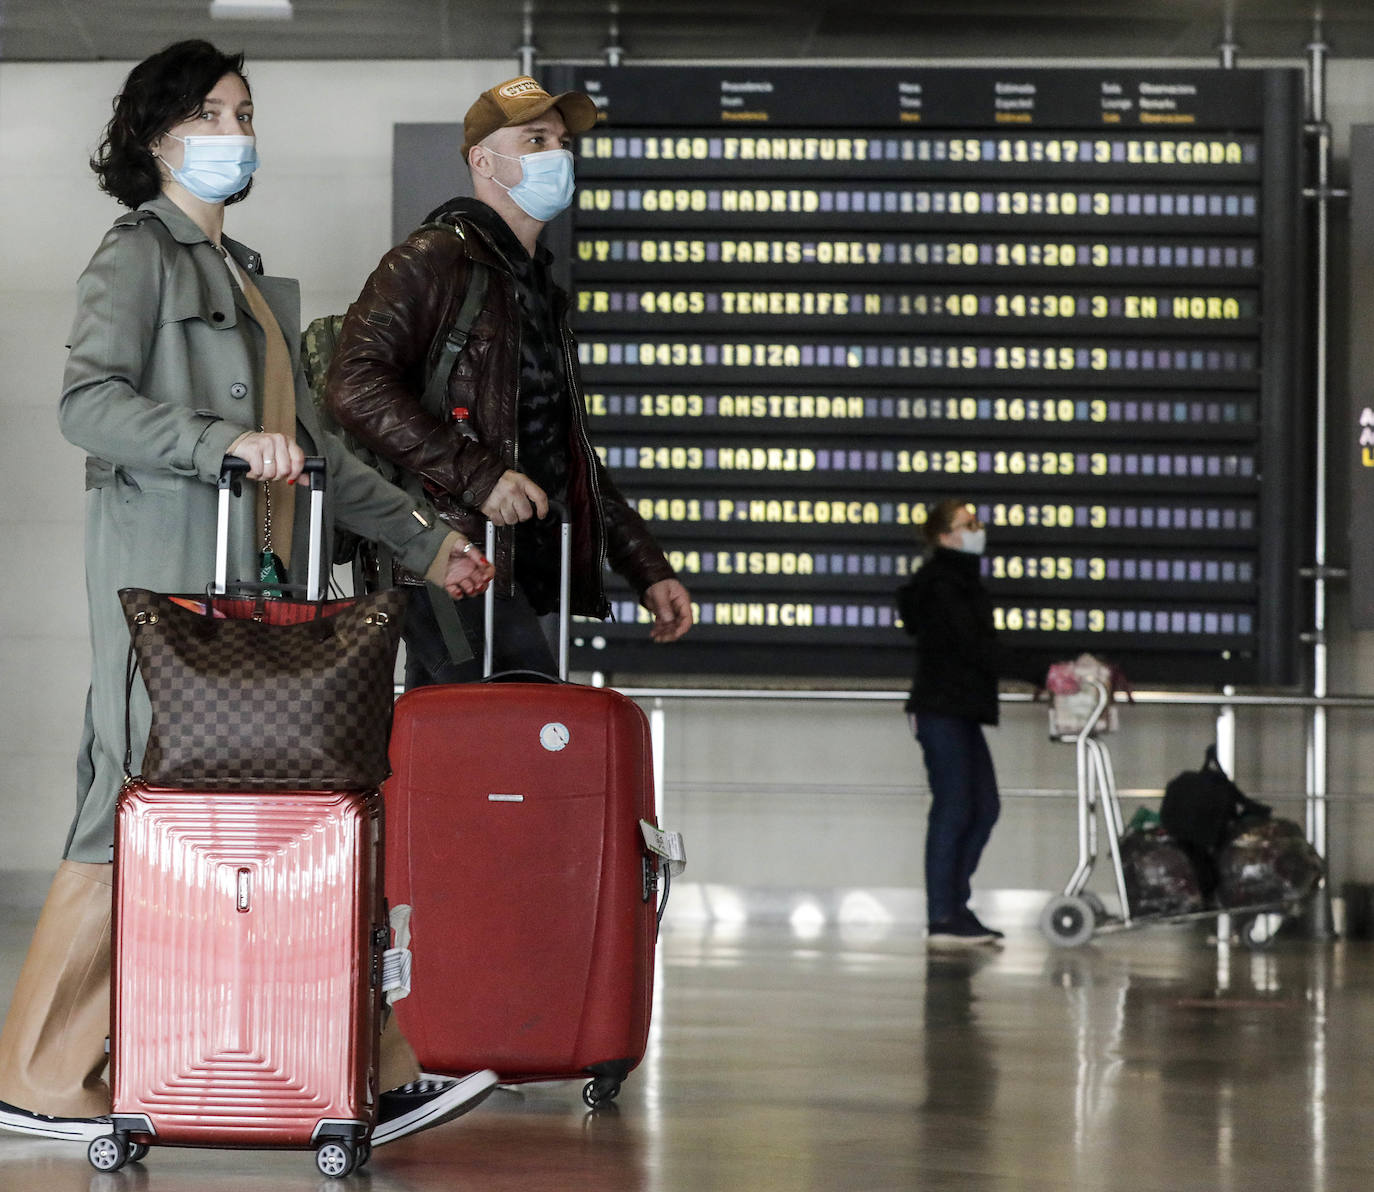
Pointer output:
x,y
396,962
667,845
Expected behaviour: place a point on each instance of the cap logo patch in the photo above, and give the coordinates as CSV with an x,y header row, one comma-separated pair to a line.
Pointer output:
x,y
518,87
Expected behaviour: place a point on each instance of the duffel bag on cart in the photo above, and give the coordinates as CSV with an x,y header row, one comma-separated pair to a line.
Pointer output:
x,y
1161,878
1266,861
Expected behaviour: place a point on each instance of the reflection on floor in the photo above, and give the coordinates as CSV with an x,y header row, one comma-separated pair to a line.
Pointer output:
x,y
845,1058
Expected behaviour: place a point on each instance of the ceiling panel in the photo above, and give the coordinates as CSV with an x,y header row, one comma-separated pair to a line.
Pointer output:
x,y
39,30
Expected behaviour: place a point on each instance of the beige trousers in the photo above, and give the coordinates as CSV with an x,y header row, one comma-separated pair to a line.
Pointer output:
x,y
52,1047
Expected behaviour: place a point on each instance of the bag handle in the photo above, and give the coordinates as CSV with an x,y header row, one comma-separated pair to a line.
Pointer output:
x,y
231,475
1243,803
130,670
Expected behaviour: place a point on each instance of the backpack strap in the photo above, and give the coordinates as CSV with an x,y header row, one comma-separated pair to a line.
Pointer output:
x,y
450,627
435,397
435,401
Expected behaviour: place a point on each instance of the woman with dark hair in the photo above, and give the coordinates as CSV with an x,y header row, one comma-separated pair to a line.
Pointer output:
x,y
183,352
946,608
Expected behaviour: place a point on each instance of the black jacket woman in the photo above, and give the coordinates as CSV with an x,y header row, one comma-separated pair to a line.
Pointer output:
x,y
946,608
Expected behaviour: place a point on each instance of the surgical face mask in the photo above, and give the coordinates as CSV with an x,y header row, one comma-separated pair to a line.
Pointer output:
x,y
546,182
216,168
974,541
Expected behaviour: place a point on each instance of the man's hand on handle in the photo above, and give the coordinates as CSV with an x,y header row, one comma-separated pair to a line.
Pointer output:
x,y
516,498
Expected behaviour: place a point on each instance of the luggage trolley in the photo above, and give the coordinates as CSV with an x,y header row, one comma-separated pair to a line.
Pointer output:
x,y
1072,918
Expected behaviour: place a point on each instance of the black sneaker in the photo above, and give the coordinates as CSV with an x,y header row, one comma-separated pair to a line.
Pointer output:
x,y
955,933
428,1102
974,921
40,1125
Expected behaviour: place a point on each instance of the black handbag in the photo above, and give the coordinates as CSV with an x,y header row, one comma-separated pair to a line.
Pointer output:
x,y
250,693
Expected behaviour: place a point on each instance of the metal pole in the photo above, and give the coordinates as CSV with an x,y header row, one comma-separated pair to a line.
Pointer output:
x,y
527,50
613,50
1317,735
1226,756
1319,919
1226,50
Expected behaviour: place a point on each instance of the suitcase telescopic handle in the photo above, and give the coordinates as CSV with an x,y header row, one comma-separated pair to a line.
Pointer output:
x,y
234,469
559,510
232,472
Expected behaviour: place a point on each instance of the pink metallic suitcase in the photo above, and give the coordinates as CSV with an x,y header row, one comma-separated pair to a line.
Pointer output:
x,y
249,935
513,834
248,938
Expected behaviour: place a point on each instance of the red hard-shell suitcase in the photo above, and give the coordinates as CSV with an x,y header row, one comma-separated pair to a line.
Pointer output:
x,y
513,834
248,938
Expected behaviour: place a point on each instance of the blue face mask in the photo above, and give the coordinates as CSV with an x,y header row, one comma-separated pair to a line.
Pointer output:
x,y
546,182
216,168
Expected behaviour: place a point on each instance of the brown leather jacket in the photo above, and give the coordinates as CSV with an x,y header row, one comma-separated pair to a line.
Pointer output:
x,y
378,372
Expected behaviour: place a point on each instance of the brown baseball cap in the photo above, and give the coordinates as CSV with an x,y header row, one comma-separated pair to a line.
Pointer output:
x,y
518,101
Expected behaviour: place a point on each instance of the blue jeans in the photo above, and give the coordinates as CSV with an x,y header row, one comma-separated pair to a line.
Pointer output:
x,y
963,808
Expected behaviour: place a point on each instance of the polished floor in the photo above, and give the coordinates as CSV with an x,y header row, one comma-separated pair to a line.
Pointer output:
x,y
806,1058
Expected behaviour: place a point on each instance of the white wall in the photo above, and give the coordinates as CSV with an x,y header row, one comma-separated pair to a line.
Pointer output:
x,y
770,795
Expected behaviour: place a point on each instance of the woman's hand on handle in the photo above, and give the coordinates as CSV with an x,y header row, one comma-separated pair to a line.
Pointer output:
x,y
269,456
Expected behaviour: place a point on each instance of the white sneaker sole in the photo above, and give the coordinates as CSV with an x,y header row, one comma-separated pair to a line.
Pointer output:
x,y
467,1093
959,941
70,1130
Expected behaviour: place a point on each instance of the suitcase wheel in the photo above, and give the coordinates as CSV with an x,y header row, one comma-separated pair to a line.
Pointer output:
x,y
601,1091
334,1158
138,1151
109,1152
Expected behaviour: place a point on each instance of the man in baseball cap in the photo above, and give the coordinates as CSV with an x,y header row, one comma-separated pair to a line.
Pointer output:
x,y
507,432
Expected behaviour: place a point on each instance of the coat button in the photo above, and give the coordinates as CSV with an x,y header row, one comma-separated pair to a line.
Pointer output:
x,y
468,497
218,316
238,389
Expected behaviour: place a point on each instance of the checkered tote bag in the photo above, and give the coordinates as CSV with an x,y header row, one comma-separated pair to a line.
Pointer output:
x,y
250,693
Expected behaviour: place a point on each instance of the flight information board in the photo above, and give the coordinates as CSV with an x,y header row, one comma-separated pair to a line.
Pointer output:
x,y
811,302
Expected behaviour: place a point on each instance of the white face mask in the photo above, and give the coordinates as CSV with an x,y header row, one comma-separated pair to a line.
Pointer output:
x,y
546,182
974,541
216,168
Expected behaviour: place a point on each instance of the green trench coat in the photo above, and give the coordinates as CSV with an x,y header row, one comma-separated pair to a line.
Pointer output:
x,y
165,372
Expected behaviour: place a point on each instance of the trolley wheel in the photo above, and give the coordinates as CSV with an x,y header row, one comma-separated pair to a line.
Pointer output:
x,y
1258,932
335,1158
109,1152
599,1092
1099,907
1068,921
364,1154
138,1151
